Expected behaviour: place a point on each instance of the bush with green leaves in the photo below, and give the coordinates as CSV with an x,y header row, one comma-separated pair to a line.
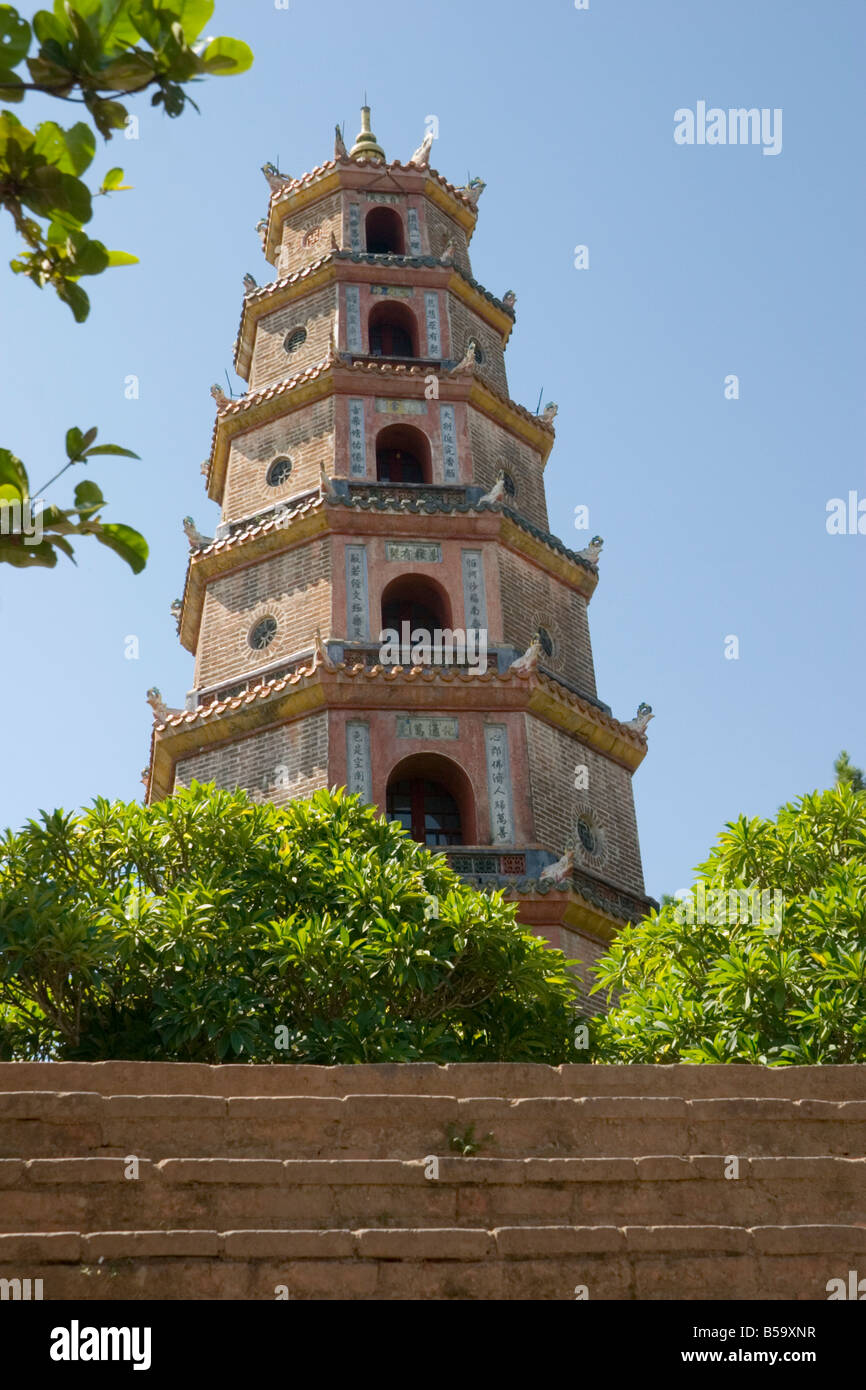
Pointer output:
x,y
92,54
787,990
210,927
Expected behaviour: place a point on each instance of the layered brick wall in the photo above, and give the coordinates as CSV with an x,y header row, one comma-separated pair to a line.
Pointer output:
x,y
264,1182
466,324
314,312
493,448
294,587
278,765
607,802
531,598
307,235
305,435
440,230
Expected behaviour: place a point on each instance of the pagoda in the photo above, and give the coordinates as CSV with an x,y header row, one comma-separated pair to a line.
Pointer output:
x,y
383,606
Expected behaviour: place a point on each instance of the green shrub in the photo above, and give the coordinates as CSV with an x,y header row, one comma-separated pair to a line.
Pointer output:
x,y
790,989
212,928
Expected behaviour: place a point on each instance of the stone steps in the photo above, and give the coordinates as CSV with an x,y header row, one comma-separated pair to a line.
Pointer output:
x,y
47,1194
510,1262
428,1079
341,1182
46,1124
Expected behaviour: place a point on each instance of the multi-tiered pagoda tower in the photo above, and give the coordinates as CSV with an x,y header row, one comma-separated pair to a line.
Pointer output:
x,y
377,473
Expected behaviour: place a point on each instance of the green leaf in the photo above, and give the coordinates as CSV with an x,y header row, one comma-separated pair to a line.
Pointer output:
x,y
76,298
194,15
14,37
63,544
71,151
57,234
74,442
125,542
90,258
61,197
53,75
107,115
87,494
122,258
225,56
21,555
48,28
113,181
13,475
111,449
128,73
11,87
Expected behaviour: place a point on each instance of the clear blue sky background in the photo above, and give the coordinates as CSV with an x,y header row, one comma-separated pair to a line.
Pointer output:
x,y
703,262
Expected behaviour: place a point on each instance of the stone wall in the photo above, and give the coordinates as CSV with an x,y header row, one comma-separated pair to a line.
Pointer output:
x,y
258,1182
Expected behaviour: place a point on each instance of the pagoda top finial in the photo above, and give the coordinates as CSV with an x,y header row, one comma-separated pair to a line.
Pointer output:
x,y
366,145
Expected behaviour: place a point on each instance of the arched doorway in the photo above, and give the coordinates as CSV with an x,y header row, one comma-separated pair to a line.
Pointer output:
x,y
431,797
403,455
384,232
414,599
392,331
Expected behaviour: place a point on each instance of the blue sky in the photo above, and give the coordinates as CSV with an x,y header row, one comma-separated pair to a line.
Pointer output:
x,y
703,261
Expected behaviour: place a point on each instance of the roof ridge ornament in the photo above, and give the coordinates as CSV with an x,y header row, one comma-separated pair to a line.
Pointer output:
x,y
473,190
366,145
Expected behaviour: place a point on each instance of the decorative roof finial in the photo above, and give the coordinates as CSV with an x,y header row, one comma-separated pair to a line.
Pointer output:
x,y
366,146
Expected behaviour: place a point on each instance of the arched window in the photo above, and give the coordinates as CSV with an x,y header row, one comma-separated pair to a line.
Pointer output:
x,y
431,797
415,599
427,810
392,331
402,455
384,227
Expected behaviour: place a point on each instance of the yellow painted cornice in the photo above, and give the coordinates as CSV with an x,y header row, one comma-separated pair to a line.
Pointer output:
x,y
338,689
564,907
467,217
583,916
568,712
519,421
547,558
481,305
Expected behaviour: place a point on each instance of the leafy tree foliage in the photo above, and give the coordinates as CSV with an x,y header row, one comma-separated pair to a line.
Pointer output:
x,y
784,991
33,538
93,53
212,928
849,775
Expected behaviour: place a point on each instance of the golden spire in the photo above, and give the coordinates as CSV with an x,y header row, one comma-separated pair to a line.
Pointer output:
x,y
366,146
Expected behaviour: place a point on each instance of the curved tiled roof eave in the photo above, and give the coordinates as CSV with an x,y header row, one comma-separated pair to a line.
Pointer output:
x,y
280,195
400,675
359,258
